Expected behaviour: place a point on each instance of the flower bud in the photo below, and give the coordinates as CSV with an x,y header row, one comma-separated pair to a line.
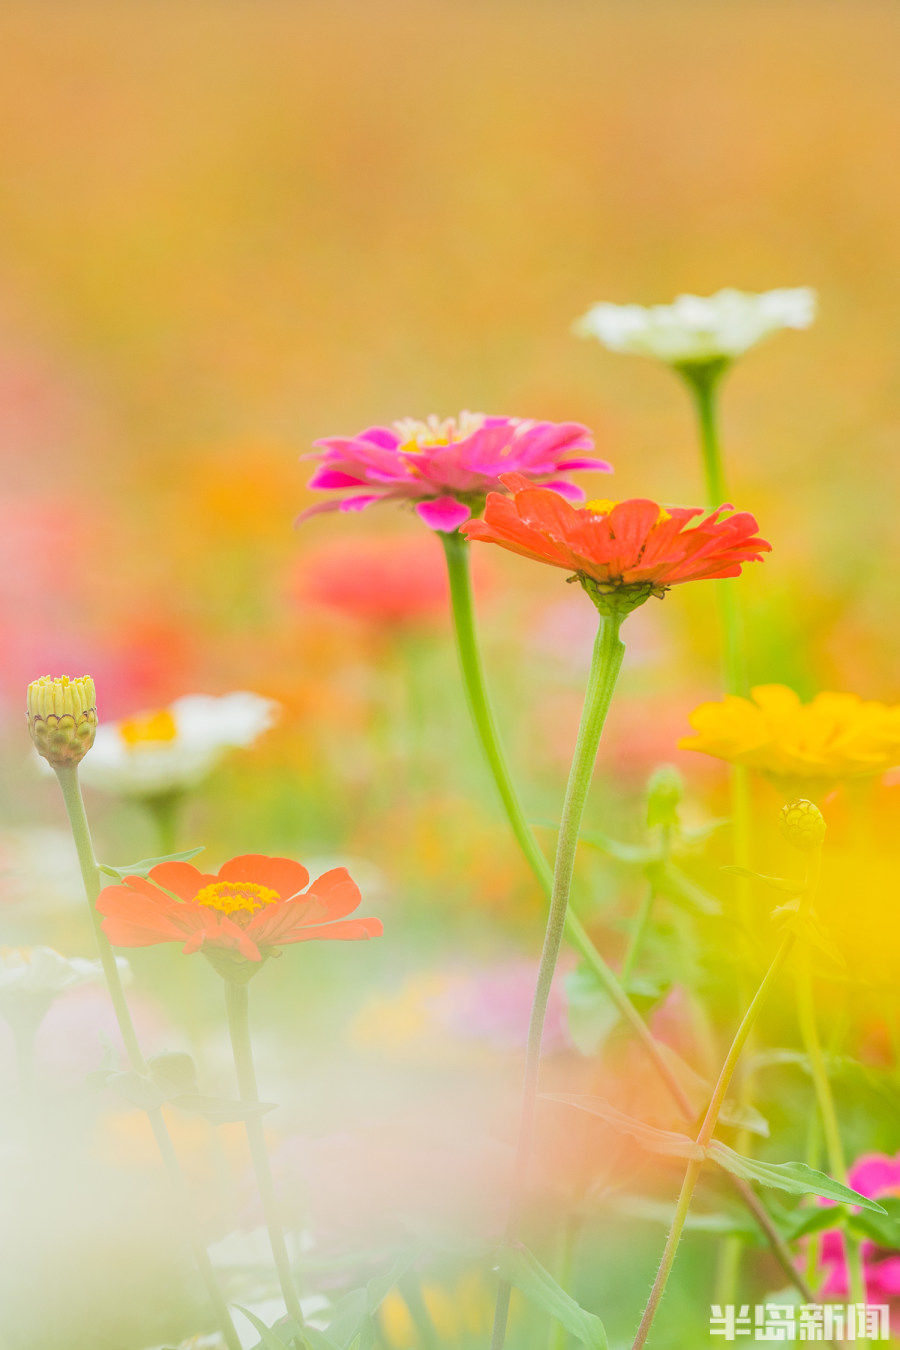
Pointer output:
x,y
665,790
803,824
62,718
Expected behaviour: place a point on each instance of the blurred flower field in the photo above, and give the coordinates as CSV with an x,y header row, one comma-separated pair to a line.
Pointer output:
x,y
251,259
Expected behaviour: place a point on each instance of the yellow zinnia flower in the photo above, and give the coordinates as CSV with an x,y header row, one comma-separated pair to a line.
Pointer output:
x,y
835,736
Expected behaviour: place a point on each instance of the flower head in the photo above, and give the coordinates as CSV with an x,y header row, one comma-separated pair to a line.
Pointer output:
x,y
62,718
31,978
835,736
699,330
172,749
447,468
242,913
876,1175
803,824
621,552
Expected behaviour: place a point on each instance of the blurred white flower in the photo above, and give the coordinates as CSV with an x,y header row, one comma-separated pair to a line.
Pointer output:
x,y
696,329
39,869
31,978
174,748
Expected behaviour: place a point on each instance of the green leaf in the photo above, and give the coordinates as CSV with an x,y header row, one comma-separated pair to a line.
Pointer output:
x,y
136,1088
517,1265
670,881
356,1309
219,1110
743,1116
718,1222
268,1340
635,854
670,1143
882,1229
140,869
774,883
794,1177
590,1012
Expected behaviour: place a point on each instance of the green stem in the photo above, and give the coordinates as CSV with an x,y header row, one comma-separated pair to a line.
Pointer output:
x,y
237,1006
565,1259
703,385
456,550
606,662
837,1163
637,937
710,1120
165,809
93,883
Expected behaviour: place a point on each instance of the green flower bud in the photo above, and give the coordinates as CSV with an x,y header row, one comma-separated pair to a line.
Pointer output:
x,y
665,790
803,824
62,718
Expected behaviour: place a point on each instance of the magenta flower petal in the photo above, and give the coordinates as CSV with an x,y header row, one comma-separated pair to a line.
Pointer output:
x,y
443,513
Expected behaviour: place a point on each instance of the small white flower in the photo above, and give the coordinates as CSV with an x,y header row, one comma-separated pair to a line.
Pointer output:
x,y
697,329
174,748
31,978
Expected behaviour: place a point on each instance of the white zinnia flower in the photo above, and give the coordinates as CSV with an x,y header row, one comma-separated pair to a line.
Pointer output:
x,y
174,748
31,978
696,329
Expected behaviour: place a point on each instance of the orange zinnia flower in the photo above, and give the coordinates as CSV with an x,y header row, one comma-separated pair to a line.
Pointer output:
x,y
631,549
250,906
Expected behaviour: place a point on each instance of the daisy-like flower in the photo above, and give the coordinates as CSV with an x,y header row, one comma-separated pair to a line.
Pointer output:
x,y
699,330
242,913
173,749
31,978
446,468
621,552
834,737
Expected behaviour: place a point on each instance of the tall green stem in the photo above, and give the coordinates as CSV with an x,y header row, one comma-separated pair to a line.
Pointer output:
x,y
605,665
237,1006
710,1120
456,550
809,1032
91,877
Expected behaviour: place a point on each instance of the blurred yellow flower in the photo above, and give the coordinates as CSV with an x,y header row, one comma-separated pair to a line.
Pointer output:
x,y
835,736
456,1312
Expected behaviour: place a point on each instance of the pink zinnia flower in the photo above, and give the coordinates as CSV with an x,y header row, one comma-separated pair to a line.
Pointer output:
x,y
876,1175
447,468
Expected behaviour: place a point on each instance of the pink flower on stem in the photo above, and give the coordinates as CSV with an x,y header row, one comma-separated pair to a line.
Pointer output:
x,y
447,468
876,1175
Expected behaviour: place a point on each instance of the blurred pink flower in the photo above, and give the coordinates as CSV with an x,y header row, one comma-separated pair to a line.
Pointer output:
x,y
377,580
448,467
876,1175
494,1006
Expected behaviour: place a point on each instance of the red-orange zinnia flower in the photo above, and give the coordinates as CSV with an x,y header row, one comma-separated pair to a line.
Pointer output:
x,y
636,547
250,906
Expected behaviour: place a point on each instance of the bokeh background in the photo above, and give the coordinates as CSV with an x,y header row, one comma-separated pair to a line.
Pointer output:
x,y
227,230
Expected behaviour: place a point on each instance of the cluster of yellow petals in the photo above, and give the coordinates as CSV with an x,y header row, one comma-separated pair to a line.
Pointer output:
x,y
150,728
835,736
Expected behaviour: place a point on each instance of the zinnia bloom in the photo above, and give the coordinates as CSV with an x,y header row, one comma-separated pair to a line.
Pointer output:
x,y
619,551
836,736
447,468
697,330
876,1175
173,749
252,905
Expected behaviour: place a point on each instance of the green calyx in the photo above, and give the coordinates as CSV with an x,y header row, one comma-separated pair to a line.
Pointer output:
x,y
617,600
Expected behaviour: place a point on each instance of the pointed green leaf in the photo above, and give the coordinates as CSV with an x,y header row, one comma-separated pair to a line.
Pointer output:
x,y
670,1143
355,1310
523,1270
743,1116
268,1339
140,869
795,1177
670,881
636,854
590,1012
774,883
881,1229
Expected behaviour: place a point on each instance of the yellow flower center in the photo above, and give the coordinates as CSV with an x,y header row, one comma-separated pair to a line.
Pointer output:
x,y
229,896
150,728
601,506
432,431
